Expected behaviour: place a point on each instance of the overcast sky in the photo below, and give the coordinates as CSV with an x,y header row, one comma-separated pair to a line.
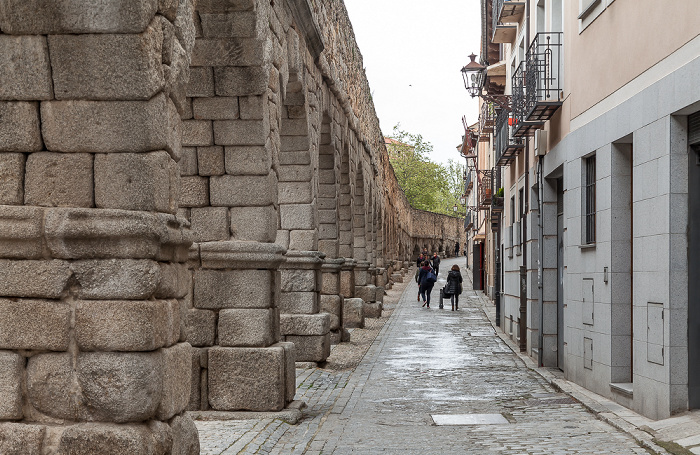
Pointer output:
x,y
413,51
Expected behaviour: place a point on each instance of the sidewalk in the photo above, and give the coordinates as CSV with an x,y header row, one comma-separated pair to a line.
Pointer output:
x,y
678,435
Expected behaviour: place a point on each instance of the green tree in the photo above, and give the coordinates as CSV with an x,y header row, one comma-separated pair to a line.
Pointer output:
x,y
427,185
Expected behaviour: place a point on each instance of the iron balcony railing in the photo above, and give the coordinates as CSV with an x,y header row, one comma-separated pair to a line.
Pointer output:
x,y
487,118
485,191
468,182
543,82
537,84
506,146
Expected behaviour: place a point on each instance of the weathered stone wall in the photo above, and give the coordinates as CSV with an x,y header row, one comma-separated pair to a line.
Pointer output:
x,y
92,268
269,161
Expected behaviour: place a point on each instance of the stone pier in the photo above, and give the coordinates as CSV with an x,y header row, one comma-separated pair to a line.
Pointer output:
x,y
93,272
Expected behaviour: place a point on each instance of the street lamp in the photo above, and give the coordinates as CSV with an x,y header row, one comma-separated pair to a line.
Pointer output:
x,y
470,72
473,75
455,208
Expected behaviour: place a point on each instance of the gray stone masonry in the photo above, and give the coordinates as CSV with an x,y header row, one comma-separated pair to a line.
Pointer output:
x,y
92,275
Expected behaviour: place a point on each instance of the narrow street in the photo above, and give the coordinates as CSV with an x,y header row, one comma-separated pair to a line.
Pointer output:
x,y
432,382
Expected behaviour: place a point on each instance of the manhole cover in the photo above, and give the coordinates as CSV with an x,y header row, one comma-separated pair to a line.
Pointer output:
x,y
469,419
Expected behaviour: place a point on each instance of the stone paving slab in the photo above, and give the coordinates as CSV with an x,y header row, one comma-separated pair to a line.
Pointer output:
x,y
424,362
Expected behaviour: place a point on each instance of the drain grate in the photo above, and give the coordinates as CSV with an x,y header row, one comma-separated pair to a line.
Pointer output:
x,y
469,419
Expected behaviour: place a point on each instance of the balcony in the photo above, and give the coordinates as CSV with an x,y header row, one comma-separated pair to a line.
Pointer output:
x,y
537,84
487,119
505,14
485,190
468,183
507,147
469,220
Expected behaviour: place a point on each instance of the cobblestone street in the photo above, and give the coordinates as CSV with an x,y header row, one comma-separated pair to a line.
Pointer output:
x,y
424,364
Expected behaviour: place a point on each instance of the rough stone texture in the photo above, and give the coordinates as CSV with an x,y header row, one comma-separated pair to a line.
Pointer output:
x,y
196,133
21,232
333,306
299,303
12,178
215,108
188,161
43,17
116,279
240,81
230,191
21,439
194,191
129,325
11,368
201,83
210,161
210,223
24,68
86,439
216,289
176,380
330,283
311,348
201,327
254,223
246,328
19,127
34,324
49,278
185,436
136,181
113,386
366,293
247,160
108,126
373,310
175,281
106,66
353,313
305,324
59,179
298,280
250,379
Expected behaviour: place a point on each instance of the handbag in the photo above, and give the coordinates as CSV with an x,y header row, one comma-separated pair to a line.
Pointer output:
x,y
430,277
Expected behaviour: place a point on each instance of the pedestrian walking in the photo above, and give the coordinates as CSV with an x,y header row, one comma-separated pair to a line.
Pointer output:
x,y
454,286
435,262
457,249
419,261
426,281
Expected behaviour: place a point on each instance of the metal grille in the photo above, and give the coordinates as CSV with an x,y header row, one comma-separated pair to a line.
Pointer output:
x,y
694,128
590,199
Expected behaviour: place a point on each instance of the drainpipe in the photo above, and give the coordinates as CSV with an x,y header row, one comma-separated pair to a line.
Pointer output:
x,y
540,266
523,311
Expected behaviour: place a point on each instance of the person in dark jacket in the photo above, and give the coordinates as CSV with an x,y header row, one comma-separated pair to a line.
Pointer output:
x,y
419,261
457,249
435,262
426,286
454,286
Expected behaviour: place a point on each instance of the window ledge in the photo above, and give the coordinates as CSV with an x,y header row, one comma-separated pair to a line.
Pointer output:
x,y
623,388
587,246
588,9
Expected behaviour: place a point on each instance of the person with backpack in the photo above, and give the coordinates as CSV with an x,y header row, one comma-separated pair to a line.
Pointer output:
x,y
426,279
454,286
435,262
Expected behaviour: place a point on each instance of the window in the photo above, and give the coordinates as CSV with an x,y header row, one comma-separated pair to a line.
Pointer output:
x,y
589,199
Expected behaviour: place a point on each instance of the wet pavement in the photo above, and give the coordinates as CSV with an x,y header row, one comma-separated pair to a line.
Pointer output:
x,y
433,382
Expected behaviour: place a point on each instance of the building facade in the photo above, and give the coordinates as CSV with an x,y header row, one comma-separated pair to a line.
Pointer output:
x,y
597,142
